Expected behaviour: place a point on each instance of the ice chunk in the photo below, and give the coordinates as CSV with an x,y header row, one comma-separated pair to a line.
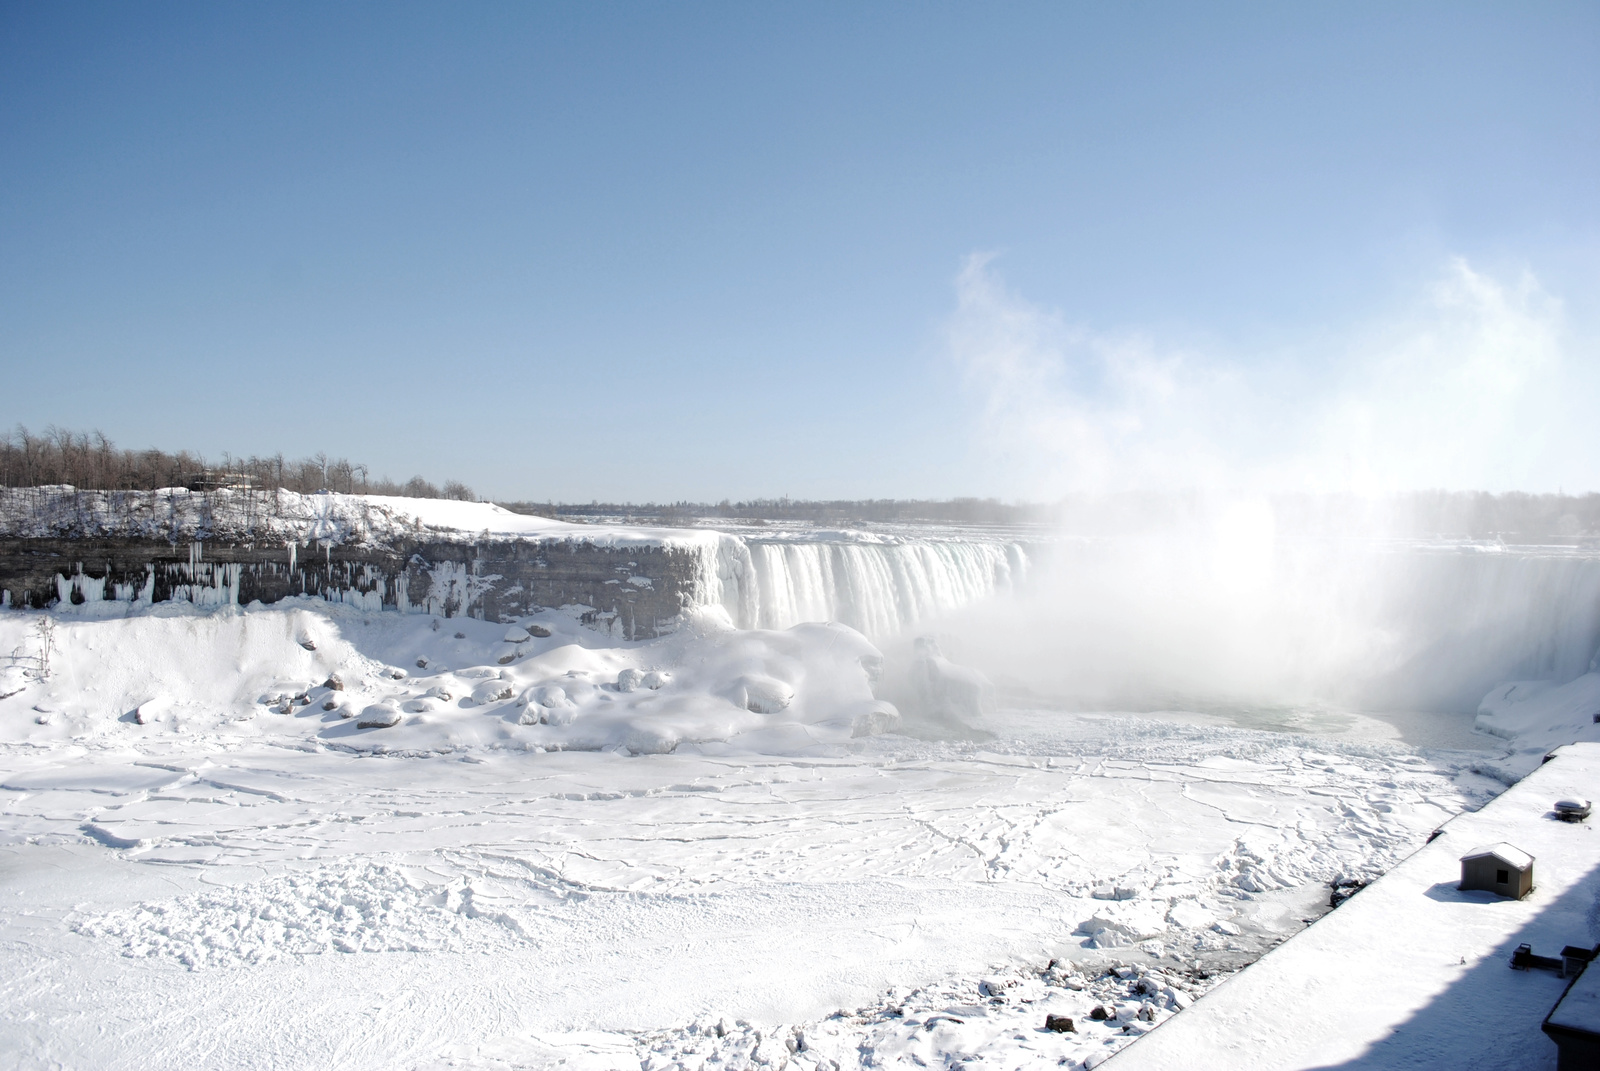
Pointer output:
x,y
764,694
945,691
151,710
880,717
1189,915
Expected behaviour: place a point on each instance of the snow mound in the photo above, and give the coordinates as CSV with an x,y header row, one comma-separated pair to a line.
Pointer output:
x,y
360,907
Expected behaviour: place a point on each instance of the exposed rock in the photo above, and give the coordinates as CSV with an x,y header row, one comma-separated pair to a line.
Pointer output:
x,y
1061,1024
1100,1014
493,691
379,716
309,644
539,632
334,683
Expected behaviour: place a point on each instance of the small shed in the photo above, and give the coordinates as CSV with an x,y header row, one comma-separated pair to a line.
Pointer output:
x,y
1499,868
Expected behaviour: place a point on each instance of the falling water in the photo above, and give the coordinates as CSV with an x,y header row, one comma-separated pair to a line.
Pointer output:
x,y
877,587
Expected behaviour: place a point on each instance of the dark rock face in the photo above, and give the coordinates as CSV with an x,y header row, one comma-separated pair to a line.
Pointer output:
x,y
632,591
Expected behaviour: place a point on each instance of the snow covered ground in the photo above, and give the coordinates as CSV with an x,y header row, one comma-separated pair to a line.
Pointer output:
x,y
729,863
1412,972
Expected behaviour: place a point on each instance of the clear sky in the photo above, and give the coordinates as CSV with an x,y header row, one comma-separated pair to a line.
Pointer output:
x,y
696,250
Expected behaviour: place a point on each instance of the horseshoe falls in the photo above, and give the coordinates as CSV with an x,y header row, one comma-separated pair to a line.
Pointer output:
x,y
879,587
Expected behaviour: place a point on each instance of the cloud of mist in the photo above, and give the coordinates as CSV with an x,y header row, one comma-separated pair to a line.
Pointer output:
x,y
1467,388
1223,532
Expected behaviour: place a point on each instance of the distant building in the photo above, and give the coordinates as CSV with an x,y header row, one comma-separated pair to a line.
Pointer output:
x,y
1499,868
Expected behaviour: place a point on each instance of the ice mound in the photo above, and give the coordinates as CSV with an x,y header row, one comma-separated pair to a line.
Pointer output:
x,y
546,684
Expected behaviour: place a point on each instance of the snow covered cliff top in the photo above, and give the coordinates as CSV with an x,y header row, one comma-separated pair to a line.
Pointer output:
x,y
177,514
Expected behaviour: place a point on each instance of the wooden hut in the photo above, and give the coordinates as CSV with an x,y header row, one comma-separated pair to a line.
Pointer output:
x,y
1499,868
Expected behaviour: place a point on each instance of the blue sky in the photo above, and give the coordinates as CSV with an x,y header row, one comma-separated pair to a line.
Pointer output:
x,y
703,250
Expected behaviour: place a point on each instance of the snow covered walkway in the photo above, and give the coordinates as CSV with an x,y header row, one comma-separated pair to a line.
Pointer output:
x,y
1411,972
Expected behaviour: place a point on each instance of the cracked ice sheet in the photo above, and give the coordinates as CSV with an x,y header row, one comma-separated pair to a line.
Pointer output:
x,y
280,907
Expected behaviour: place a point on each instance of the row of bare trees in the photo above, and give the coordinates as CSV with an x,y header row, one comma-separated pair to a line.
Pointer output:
x,y
89,460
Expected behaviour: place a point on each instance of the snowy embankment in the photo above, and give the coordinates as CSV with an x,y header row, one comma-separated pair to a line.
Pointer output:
x,y
1411,972
1536,716
178,515
202,850
306,672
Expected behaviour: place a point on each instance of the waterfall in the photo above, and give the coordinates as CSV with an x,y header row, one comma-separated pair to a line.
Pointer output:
x,y
1460,621
879,587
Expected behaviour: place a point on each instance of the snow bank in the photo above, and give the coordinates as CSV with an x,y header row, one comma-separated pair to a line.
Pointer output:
x,y
1539,715
176,514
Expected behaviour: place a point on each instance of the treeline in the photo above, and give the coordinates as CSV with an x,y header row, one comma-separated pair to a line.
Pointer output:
x,y
1512,516
90,461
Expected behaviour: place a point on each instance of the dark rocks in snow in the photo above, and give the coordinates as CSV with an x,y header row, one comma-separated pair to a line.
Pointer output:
x,y
539,632
1060,1024
309,644
461,635
1100,1014
333,683
1344,889
331,704
422,663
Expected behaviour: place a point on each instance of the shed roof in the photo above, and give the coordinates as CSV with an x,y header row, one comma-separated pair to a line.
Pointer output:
x,y
1578,1009
1518,858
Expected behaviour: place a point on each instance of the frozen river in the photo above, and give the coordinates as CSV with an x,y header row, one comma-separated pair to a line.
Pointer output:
x,y
249,905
